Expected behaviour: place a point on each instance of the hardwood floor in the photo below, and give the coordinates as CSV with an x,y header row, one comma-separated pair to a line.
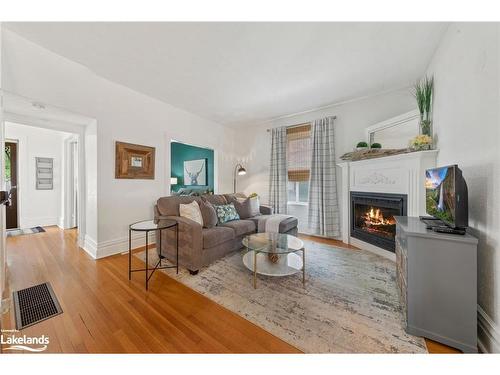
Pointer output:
x,y
104,312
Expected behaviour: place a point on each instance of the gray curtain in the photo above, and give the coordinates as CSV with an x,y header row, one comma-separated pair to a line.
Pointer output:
x,y
278,176
323,211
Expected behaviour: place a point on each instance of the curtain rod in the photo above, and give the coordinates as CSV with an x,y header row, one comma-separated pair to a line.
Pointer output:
x,y
297,125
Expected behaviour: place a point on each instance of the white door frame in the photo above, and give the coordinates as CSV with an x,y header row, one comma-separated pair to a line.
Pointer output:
x,y
22,110
68,197
62,126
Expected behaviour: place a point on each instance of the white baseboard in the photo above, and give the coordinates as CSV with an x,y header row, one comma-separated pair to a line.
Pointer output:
x,y
38,222
374,249
90,246
488,333
120,245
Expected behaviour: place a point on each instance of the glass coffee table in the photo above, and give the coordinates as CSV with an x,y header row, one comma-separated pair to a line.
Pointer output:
x,y
274,254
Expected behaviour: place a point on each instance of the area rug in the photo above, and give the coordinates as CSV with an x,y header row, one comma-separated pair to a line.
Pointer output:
x,y
348,305
19,232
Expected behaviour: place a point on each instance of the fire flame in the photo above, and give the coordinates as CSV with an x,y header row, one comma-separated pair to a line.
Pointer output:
x,y
375,217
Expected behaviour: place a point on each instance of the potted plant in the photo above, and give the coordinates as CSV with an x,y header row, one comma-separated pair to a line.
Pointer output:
x,y
361,146
423,91
376,145
421,142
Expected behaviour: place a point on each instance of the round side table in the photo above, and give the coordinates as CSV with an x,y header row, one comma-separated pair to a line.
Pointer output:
x,y
150,226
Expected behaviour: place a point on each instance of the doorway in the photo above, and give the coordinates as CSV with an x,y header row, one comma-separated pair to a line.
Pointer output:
x,y
11,180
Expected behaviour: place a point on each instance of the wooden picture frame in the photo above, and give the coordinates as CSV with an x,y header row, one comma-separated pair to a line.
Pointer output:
x,y
134,161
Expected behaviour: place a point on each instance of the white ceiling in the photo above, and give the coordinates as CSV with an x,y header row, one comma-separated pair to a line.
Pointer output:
x,y
243,73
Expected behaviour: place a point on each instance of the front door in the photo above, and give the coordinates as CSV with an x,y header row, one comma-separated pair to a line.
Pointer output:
x,y
11,184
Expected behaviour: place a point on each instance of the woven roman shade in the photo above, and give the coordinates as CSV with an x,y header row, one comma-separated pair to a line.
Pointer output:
x,y
299,152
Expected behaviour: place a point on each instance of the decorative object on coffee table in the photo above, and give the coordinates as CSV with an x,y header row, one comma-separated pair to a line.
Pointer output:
x,y
134,161
274,254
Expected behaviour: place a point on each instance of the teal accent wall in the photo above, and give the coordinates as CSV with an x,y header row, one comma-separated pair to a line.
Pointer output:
x,y
179,152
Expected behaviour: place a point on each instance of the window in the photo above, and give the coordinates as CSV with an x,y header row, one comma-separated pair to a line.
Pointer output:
x,y
299,162
298,191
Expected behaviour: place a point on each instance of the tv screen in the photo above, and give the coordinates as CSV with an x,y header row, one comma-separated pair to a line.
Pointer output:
x,y
440,193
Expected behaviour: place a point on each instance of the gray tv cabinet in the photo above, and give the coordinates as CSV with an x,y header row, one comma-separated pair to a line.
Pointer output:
x,y
437,282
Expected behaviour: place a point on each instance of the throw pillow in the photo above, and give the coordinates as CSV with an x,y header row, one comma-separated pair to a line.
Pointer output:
x,y
226,212
208,213
243,207
191,211
254,205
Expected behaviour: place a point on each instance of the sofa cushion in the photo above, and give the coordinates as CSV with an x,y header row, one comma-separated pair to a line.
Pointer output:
x,y
240,227
169,206
254,205
208,213
243,207
285,225
226,212
216,235
191,211
231,196
215,199
288,224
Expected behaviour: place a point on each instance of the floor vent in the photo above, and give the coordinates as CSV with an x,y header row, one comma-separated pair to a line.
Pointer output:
x,y
35,304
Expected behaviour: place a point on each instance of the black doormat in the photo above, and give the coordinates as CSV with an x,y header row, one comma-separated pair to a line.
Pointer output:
x,y
35,304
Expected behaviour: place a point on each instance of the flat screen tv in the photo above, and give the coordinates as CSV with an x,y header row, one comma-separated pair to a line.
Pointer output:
x,y
446,196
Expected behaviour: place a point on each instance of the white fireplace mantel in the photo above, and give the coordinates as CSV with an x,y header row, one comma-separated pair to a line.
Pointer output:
x,y
398,174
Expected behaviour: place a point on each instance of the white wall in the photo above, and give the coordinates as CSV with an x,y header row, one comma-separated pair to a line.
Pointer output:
x,y
122,115
352,119
37,207
466,124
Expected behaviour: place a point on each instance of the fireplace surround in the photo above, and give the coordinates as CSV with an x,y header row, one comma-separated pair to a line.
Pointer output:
x,y
372,217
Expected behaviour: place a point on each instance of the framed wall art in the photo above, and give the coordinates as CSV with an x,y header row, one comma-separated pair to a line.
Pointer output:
x,y
195,172
134,161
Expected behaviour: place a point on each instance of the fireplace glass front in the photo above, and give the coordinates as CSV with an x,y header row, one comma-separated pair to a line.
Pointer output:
x,y
372,217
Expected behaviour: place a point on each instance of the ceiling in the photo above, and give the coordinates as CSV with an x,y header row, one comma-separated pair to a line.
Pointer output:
x,y
245,73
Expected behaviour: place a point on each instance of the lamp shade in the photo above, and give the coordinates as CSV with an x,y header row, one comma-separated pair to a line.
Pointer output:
x,y
173,180
241,171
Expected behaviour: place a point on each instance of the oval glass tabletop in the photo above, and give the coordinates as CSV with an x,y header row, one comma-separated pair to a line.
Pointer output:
x,y
147,225
274,243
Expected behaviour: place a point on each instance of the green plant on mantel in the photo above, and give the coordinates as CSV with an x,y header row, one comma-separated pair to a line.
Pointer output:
x,y
423,91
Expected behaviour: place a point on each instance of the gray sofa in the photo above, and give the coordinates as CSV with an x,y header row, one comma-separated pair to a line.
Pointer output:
x,y
200,246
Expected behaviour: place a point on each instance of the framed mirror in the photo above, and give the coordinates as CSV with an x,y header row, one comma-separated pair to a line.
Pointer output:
x,y
396,132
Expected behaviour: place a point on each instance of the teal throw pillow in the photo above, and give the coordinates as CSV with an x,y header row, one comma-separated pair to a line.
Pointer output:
x,y
226,212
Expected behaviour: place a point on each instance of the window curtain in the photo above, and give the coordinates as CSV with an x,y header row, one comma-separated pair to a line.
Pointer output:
x,y
278,178
323,212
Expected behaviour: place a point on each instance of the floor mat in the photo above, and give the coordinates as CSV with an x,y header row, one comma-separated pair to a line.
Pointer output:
x,y
19,232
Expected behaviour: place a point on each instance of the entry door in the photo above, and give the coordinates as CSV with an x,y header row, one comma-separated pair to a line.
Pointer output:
x,y
11,184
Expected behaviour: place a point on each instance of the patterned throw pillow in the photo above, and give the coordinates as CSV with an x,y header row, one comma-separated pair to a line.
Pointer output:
x,y
226,212
191,211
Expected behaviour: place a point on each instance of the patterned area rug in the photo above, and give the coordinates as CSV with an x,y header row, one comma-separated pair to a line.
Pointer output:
x,y
19,232
349,304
